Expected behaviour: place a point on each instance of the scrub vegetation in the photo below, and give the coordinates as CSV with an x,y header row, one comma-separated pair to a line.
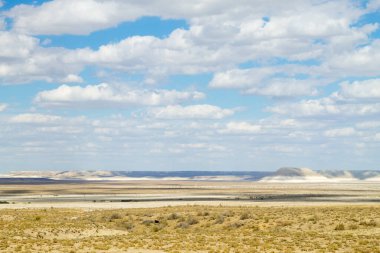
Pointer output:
x,y
192,229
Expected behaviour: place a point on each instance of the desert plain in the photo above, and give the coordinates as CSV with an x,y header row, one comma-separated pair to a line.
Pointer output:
x,y
189,216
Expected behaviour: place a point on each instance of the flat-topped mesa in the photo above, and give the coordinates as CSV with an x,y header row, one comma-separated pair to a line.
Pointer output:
x,y
284,174
294,175
296,172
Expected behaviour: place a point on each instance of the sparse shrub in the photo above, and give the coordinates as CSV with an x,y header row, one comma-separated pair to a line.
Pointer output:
x,y
339,227
147,222
237,224
183,225
157,228
370,223
219,219
244,216
173,216
115,216
284,223
228,213
353,226
203,213
255,228
192,221
126,225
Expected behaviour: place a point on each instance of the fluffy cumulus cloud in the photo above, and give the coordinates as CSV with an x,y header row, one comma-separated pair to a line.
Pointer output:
x,y
266,81
184,141
360,61
203,111
26,61
108,95
340,132
367,89
241,128
34,118
286,88
102,14
229,33
45,19
368,124
358,98
201,146
325,107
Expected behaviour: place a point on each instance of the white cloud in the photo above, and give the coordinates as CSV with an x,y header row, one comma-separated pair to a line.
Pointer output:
x,y
298,19
100,14
374,5
278,148
285,88
265,81
25,61
248,143
177,54
205,146
3,107
366,89
359,98
362,61
71,78
59,129
34,118
203,111
241,78
368,124
340,132
241,128
44,19
108,95
17,45
323,107
184,49
229,33
52,17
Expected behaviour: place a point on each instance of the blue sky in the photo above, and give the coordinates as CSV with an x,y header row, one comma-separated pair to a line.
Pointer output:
x,y
198,85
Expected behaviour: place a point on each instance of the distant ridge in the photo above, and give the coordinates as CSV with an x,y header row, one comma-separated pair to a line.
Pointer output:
x,y
286,174
291,174
96,175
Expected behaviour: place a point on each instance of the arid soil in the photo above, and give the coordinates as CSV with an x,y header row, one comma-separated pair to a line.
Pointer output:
x,y
177,216
193,229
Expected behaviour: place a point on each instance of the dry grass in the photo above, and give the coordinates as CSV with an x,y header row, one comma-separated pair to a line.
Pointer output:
x,y
193,229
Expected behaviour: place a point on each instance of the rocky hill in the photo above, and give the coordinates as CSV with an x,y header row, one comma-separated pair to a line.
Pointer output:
x,y
291,174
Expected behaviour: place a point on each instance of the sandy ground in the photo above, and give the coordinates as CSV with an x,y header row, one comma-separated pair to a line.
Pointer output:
x,y
193,229
143,194
153,204
186,195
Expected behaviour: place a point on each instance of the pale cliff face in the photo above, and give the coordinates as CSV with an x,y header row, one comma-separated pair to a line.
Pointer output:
x,y
289,174
298,172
